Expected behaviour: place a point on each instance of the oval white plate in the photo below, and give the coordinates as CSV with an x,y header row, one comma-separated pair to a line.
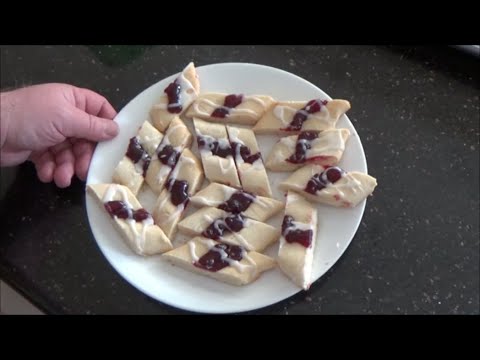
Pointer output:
x,y
185,290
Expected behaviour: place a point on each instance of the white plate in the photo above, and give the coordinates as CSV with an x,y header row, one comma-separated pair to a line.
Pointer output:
x,y
471,49
177,287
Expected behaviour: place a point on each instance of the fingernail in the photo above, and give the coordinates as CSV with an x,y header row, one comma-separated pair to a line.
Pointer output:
x,y
111,129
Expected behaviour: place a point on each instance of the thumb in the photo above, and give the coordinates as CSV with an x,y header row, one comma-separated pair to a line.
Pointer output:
x,y
89,127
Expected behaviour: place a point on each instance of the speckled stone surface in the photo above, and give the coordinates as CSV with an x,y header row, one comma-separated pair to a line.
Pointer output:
x,y
416,111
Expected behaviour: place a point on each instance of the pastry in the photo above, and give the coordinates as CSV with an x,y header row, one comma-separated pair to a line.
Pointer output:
x,y
248,159
227,263
133,222
331,186
230,108
309,147
149,137
184,181
237,201
132,169
229,228
297,242
177,138
216,153
295,116
176,98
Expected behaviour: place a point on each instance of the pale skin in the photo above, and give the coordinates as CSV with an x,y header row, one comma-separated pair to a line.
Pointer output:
x,y
56,126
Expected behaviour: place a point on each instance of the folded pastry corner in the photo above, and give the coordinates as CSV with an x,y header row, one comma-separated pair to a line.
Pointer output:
x,y
332,186
230,264
309,147
176,98
177,138
298,239
237,201
132,168
134,223
291,117
183,182
216,153
248,160
230,108
149,137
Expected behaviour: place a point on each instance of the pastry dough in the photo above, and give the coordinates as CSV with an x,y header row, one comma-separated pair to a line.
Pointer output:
x,y
126,173
143,237
218,195
232,265
332,186
184,181
250,234
149,137
248,159
177,138
295,116
309,147
163,113
297,242
216,153
131,170
230,108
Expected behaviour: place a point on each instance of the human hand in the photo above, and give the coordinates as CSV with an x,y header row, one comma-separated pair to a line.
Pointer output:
x,y
56,127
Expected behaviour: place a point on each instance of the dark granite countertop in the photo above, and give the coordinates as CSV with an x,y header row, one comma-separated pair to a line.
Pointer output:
x,y
416,110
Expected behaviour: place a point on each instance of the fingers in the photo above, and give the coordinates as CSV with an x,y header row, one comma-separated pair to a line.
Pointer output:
x,y
83,151
90,127
90,118
93,103
107,111
45,165
65,164
62,161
